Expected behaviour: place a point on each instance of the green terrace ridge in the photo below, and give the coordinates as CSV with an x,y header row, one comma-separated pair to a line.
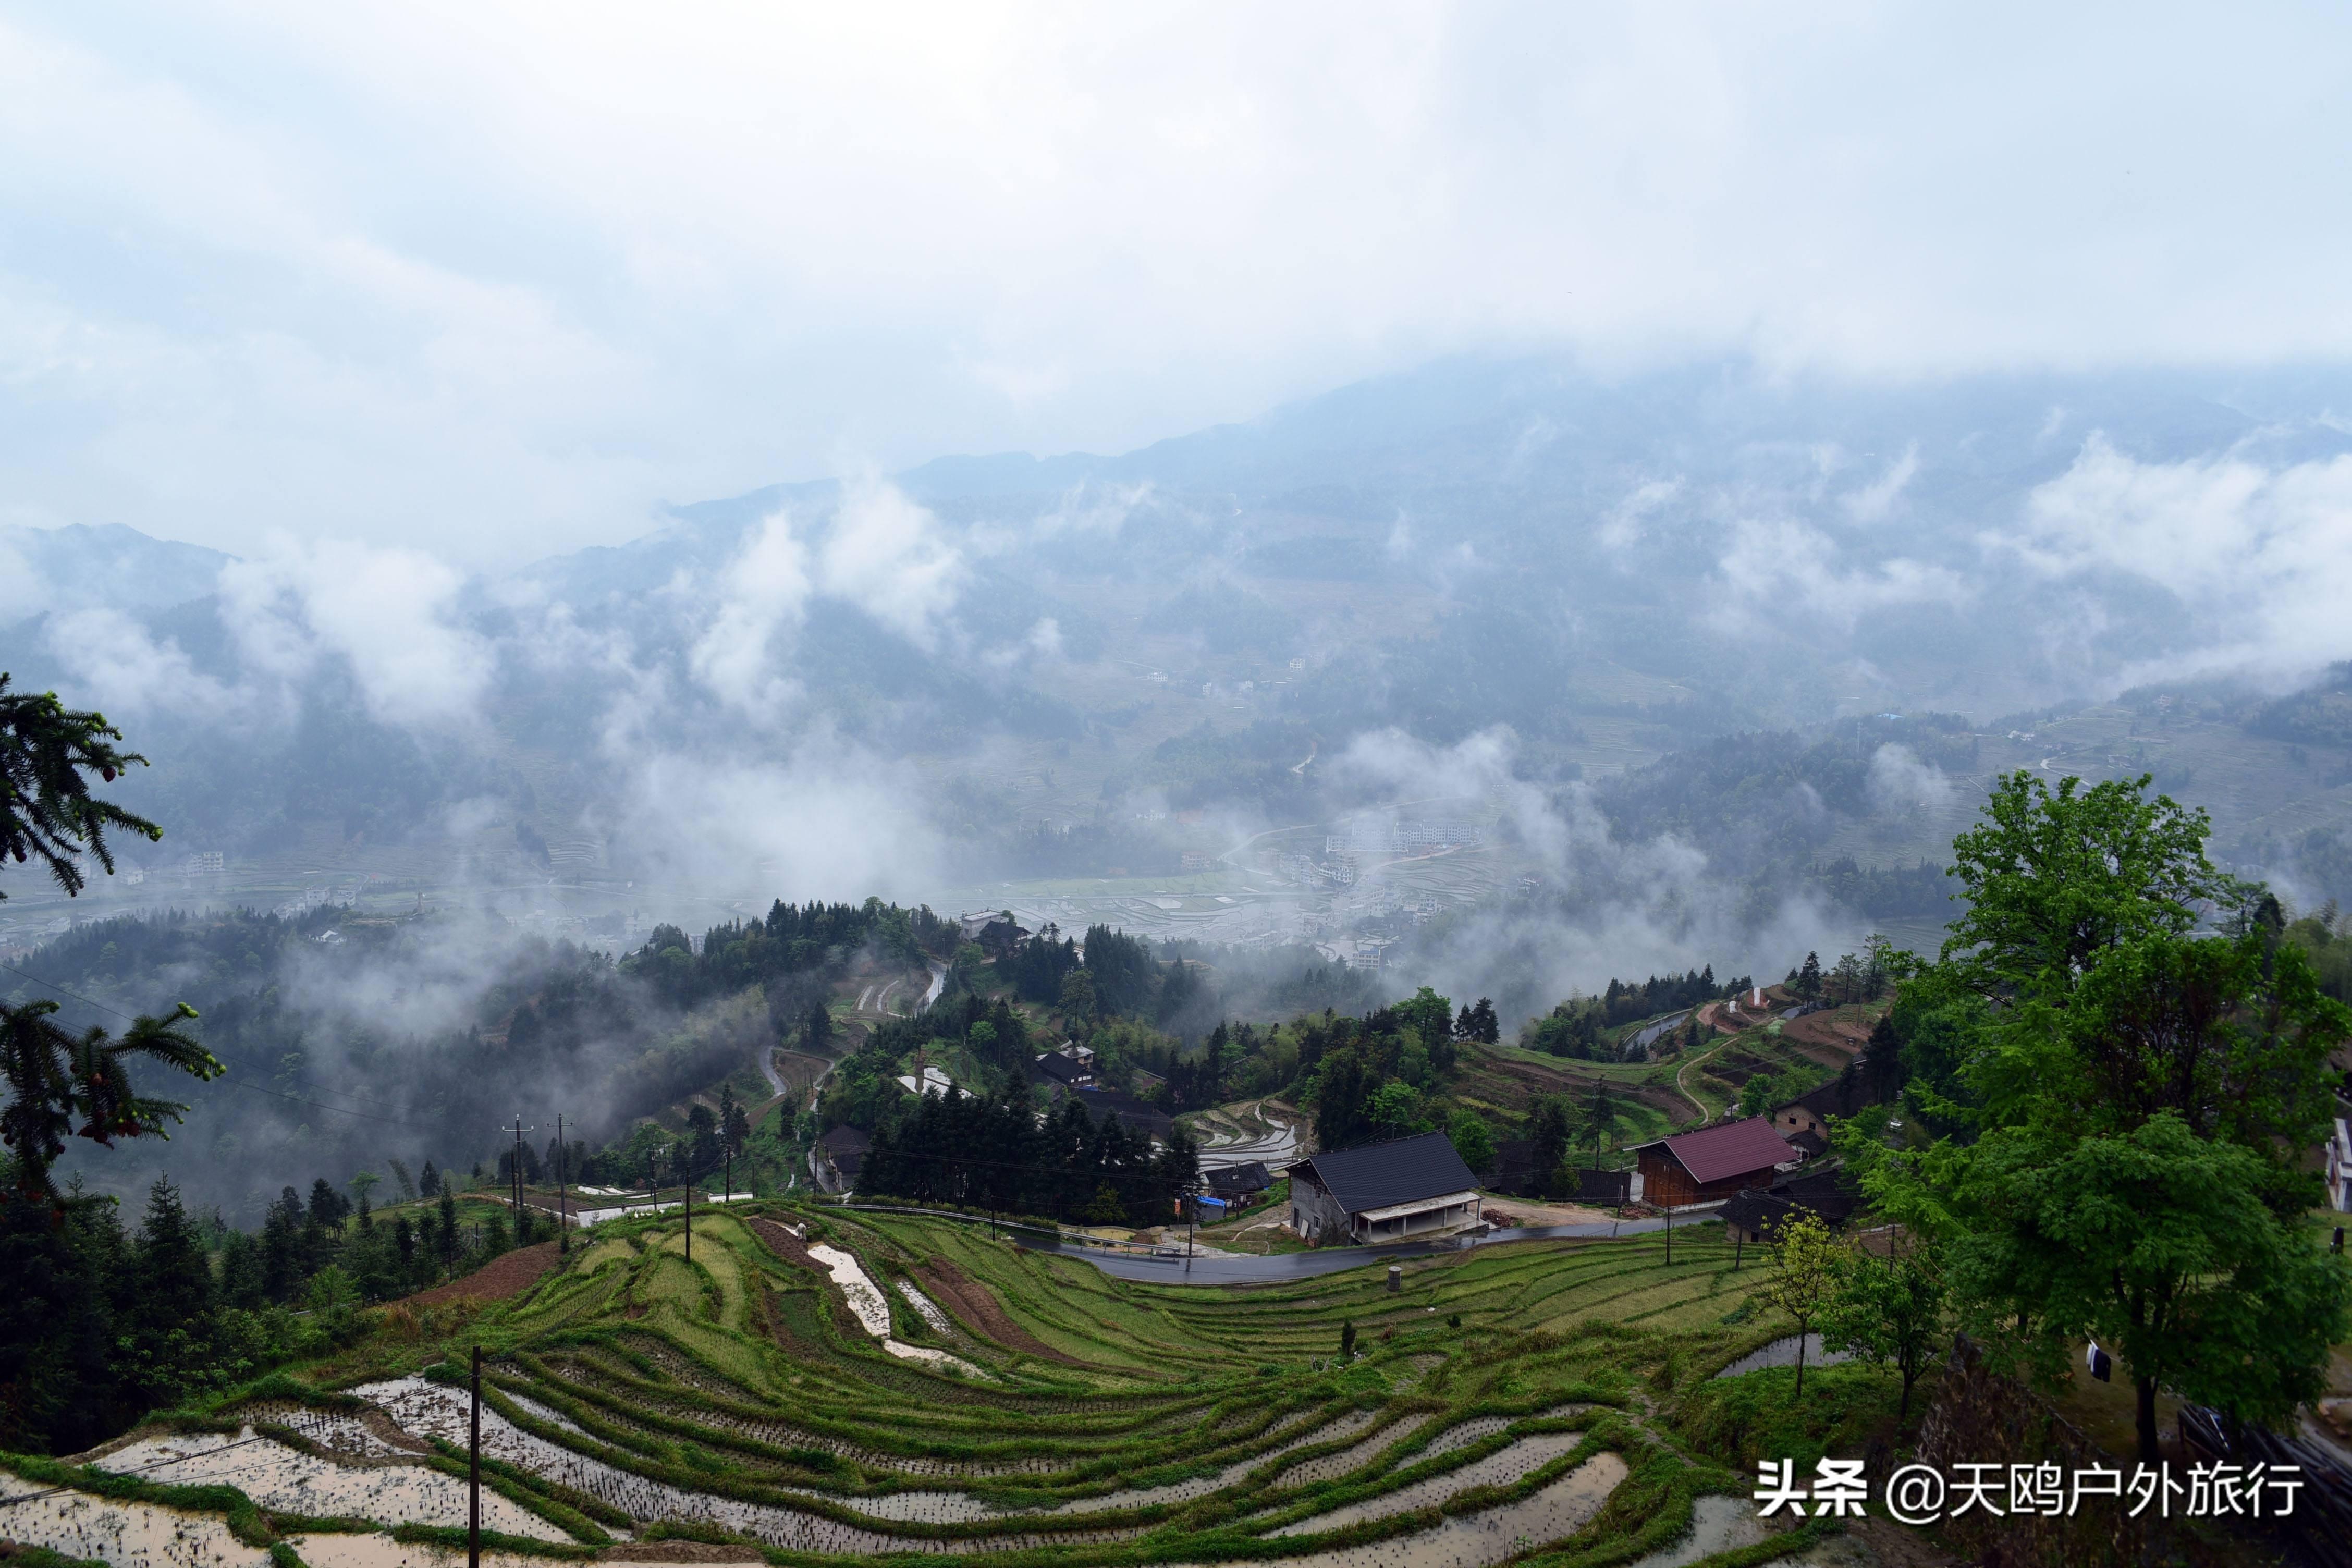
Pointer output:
x,y
1512,1402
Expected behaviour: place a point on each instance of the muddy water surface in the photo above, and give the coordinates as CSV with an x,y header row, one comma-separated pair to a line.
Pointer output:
x,y
126,1534
1492,1536
395,1492
1505,1466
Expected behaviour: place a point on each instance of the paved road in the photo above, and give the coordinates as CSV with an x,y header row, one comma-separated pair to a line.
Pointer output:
x,y
1243,1271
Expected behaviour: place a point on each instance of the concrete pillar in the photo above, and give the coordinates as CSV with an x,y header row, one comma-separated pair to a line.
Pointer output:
x,y
1396,1278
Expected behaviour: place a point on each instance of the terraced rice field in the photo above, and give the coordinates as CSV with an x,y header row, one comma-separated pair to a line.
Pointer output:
x,y
817,1383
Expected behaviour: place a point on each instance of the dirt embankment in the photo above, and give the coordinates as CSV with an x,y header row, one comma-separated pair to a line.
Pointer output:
x,y
502,1277
969,1300
787,1245
1839,1030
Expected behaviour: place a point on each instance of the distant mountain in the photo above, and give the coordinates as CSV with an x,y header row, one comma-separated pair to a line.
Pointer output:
x,y
1615,566
80,566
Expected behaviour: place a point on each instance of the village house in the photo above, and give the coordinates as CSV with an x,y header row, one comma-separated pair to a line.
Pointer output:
x,y
1071,1068
1711,1165
1237,1183
1847,1095
838,1157
1387,1192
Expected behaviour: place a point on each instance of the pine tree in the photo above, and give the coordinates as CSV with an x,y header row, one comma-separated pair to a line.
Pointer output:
x,y
174,1306
1809,978
55,1077
241,1282
46,812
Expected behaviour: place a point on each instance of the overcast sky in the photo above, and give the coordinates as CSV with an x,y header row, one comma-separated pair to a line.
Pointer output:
x,y
497,279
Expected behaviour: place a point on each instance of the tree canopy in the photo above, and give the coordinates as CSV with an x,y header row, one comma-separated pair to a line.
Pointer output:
x,y
48,752
2124,1065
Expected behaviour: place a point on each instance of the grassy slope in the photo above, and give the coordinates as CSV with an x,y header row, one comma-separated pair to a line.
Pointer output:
x,y
743,1375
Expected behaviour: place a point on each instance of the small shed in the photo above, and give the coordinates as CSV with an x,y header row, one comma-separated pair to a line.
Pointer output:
x,y
1384,1192
1711,1165
1233,1182
1603,1188
1755,1215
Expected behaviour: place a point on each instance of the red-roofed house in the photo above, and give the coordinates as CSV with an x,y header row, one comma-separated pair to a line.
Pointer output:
x,y
1712,1164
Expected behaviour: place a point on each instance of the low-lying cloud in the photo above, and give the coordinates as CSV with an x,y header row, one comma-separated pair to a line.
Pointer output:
x,y
2262,556
1604,908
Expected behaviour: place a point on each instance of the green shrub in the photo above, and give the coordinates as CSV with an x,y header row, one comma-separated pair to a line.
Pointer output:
x,y
1755,1416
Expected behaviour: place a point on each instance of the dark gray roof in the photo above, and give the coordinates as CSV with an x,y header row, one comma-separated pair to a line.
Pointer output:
x,y
1251,1176
1135,1115
847,1146
1054,1067
1403,1171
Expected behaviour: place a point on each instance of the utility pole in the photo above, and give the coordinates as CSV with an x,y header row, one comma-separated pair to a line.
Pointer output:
x,y
474,1473
562,1207
522,1227
686,1175
1670,1235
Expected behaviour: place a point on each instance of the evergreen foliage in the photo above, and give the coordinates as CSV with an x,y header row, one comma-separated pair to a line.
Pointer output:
x,y
46,812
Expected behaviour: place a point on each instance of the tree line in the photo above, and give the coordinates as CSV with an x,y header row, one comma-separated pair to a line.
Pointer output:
x,y
792,939
1575,1028
993,1151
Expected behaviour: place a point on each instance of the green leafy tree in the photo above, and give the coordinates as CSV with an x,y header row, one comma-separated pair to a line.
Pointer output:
x,y
1803,1278
1756,1094
1105,1208
2124,1105
1890,1312
1473,1139
56,1076
1845,979
47,813
1426,1014
1396,1110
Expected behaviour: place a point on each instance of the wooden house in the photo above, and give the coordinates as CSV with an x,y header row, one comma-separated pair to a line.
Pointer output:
x,y
1712,1164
